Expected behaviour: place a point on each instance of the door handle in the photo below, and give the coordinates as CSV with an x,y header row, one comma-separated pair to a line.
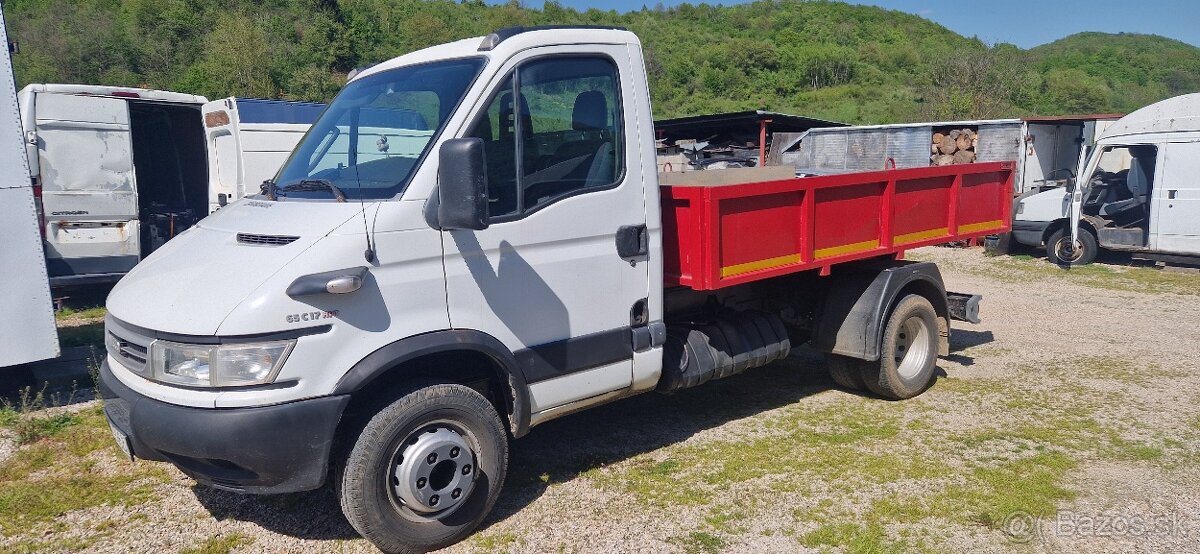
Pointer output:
x,y
1171,194
632,241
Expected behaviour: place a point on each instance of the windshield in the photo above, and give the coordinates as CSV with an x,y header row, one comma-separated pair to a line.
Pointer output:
x,y
369,140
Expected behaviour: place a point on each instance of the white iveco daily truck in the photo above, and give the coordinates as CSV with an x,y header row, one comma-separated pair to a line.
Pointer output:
x,y
470,242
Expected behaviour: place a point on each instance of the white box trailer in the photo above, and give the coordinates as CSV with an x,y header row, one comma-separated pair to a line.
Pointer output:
x,y
1046,149
120,171
27,330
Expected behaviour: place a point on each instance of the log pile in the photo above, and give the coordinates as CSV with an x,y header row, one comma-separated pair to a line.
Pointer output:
x,y
956,146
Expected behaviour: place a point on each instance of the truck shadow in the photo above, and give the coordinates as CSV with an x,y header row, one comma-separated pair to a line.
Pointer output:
x,y
564,449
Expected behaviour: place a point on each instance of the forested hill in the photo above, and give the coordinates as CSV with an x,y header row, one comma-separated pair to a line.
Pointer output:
x,y
825,59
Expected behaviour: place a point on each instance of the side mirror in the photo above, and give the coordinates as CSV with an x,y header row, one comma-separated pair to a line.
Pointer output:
x,y
462,185
1071,186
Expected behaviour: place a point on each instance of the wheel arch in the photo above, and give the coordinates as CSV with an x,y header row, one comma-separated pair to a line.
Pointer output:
x,y
853,315
1084,223
462,356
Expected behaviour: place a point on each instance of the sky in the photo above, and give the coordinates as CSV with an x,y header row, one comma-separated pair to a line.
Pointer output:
x,y
1025,23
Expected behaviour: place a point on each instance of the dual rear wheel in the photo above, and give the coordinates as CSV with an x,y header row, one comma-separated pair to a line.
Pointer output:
x,y
907,361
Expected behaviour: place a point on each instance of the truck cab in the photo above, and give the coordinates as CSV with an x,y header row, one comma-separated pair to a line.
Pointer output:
x,y
469,242
1135,192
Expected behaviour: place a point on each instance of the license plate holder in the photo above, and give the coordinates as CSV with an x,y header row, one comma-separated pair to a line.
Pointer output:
x,y
122,441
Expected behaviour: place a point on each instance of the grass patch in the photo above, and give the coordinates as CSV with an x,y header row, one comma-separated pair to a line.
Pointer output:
x,y
493,542
80,313
221,544
60,473
28,418
853,537
1120,278
700,542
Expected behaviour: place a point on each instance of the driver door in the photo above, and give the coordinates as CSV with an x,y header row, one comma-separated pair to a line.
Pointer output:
x,y
545,277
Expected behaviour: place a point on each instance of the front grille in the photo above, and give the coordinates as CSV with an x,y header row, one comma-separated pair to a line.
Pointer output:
x,y
132,356
265,240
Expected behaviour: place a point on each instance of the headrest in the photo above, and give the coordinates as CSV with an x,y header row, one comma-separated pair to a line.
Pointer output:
x,y
591,111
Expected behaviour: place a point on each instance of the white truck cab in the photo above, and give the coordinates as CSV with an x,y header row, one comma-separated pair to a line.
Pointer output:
x,y
1136,192
469,242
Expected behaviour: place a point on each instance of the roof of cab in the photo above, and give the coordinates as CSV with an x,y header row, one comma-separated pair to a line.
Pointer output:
x,y
1181,113
130,93
511,40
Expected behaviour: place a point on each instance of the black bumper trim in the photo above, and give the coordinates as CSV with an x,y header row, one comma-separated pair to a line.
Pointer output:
x,y
268,449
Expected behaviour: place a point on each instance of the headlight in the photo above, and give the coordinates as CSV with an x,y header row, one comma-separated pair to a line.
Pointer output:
x,y
227,365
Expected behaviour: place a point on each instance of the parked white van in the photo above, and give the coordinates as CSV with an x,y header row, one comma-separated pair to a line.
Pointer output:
x,y
1137,192
120,171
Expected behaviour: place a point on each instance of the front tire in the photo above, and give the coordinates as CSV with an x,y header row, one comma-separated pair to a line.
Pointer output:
x,y
908,352
425,470
1060,252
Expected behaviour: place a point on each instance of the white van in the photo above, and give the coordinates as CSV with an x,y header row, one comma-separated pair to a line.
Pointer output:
x,y
120,171
248,141
1137,192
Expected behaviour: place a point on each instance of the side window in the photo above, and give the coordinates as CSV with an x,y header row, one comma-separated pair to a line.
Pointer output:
x,y
561,133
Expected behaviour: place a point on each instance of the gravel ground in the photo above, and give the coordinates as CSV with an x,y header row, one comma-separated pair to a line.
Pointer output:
x,y
1067,421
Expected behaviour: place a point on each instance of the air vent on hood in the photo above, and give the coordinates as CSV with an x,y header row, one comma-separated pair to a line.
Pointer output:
x,y
265,240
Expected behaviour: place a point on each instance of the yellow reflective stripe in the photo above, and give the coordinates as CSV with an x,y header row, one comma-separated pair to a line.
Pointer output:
x,y
921,235
846,249
971,228
761,264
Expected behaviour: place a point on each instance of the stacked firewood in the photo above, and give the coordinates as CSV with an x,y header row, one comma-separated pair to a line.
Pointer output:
x,y
956,146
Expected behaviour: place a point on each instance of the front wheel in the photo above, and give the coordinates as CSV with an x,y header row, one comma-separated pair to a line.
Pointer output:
x,y
1060,251
425,470
908,351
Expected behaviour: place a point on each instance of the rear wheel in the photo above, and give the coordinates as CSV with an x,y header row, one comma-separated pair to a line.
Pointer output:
x,y
846,371
908,351
1060,251
425,470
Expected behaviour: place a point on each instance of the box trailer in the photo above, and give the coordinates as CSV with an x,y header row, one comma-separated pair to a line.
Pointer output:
x,y
27,330
473,240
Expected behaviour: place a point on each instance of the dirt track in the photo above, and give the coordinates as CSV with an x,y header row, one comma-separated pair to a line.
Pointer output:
x,y
1066,422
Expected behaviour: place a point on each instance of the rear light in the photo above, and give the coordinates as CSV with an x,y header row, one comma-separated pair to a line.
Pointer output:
x,y
126,94
37,201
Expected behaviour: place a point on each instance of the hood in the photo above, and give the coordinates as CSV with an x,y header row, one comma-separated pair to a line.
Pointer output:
x,y
191,284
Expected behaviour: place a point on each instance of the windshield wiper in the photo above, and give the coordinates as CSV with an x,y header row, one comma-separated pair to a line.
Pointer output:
x,y
310,185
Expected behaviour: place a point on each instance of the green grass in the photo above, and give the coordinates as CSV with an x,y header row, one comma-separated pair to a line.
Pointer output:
x,y
1023,267
700,542
59,473
221,544
495,542
30,421
80,313
855,538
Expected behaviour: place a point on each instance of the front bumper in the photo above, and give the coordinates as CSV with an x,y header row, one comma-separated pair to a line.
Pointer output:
x,y
268,449
1029,233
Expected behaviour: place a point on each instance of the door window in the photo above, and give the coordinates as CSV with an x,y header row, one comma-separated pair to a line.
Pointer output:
x,y
558,126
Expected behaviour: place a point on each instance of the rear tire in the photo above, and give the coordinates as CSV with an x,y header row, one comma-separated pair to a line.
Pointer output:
x,y
908,351
1059,251
846,371
425,470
